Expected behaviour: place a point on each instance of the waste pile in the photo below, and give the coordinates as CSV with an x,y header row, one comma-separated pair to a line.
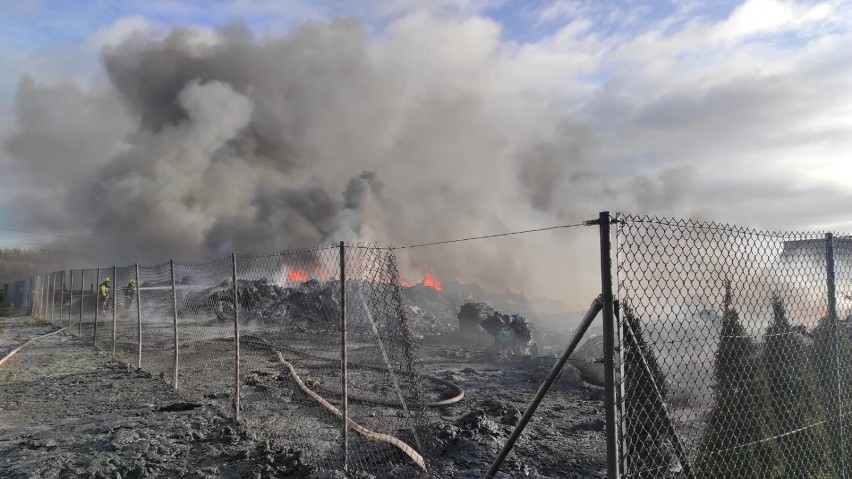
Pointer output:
x,y
512,335
430,312
426,324
260,300
472,315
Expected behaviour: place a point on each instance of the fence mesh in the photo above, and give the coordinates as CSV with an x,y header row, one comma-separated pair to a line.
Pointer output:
x,y
484,367
205,335
23,295
88,305
155,298
732,362
178,321
106,308
384,380
126,334
289,302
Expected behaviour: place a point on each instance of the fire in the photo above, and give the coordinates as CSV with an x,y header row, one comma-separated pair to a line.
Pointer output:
x,y
405,284
430,282
299,275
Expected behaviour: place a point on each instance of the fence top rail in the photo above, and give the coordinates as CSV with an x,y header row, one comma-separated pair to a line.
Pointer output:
x,y
692,224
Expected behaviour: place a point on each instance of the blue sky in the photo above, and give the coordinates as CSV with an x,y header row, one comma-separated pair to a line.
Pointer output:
x,y
33,24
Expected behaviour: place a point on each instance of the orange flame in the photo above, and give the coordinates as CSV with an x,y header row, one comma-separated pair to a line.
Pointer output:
x,y
430,282
299,275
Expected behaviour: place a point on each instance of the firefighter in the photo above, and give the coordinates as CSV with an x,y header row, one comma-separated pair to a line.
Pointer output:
x,y
129,293
521,329
103,293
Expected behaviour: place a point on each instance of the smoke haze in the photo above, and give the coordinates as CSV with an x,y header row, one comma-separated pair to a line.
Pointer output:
x,y
191,143
202,145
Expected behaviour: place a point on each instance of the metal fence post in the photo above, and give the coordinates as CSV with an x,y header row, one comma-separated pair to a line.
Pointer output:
x,y
80,323
54,313
236,402
70,296
343,361
52,297
174,315
114,290
578,335
97,293
37,294
40,294
837,409
46,295
138,321
604,221
7,298
43,298
61,296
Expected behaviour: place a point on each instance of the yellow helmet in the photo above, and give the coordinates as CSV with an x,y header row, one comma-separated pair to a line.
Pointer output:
x,y
106,280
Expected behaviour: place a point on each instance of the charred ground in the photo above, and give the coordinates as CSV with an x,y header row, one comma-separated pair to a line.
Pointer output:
x,y
98,418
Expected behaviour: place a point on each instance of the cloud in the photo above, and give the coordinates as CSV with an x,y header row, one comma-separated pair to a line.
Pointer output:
x,y
756,17
121,31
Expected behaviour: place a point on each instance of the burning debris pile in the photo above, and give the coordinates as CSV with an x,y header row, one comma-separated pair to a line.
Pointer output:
x,y
263,301
430,310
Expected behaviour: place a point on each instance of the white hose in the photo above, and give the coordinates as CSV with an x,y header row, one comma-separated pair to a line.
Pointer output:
x,y
12,353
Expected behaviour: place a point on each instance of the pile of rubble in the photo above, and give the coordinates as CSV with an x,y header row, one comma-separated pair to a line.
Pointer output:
x,y
262,301
425,324
512,335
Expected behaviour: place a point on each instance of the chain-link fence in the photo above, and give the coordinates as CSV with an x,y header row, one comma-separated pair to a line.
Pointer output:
x,y
275,358
736,351
432,368
732,352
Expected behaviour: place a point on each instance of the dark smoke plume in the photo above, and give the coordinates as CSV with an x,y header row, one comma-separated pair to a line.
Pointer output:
x,y
199,145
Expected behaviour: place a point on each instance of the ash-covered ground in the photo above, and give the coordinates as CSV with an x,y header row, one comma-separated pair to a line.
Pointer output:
x,y
71,411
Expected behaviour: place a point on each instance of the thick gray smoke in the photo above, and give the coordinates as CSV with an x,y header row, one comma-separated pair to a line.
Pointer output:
x,y
199,145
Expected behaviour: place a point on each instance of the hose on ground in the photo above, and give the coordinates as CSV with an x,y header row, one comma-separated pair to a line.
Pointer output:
x,y
14,351
401,445
457,390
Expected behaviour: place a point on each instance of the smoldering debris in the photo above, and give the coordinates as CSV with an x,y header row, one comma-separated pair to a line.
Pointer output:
x,y
262,301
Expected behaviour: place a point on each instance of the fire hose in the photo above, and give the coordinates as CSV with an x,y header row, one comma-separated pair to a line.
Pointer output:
x,y
14,351
402,446
367,433
457,396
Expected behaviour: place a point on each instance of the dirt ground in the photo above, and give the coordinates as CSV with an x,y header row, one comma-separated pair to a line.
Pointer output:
x,y
70,411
